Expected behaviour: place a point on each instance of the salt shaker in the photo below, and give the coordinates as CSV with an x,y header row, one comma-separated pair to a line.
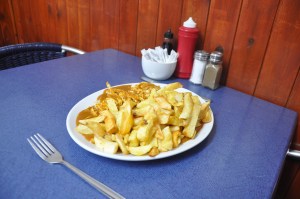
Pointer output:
x,y
199,65
213,71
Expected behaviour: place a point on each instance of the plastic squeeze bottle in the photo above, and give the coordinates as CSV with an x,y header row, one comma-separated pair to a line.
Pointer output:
x,y
187,39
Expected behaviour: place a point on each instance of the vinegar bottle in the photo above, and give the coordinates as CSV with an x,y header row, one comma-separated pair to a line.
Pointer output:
x,y
168,37
187,39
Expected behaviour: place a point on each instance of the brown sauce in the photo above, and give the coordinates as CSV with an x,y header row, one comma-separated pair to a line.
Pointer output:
x,y
123,87
88,137
86,114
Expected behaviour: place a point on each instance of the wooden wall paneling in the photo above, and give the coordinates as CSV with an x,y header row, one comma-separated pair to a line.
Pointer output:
x,y
35,26
250,43
16,13
128,25
49,24
198,10
221,28
279,80
84,24
3,16
282,59
61,22
104,24
111,23
79,24
23,20
40,20
286,179
2,41
294,104
96,8
288,186
169,17
7,24
294,191
147,25
38,17
72,22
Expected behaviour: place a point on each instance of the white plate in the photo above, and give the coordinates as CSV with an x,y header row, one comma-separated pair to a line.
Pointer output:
x,y
81,141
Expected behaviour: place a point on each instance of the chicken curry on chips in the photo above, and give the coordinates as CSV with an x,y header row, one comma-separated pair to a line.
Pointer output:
x,y
143,119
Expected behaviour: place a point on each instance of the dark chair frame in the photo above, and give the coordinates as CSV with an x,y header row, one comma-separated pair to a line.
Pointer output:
x,y
28,53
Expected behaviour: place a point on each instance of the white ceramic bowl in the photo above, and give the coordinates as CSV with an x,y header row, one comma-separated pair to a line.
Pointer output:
x,y
158,71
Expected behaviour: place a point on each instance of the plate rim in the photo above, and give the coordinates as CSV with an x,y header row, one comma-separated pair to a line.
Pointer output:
x,y
83,143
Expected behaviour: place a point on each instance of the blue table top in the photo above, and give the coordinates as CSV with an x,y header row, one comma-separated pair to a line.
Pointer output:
x,y
241,158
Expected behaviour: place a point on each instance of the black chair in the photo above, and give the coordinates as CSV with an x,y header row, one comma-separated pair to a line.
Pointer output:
x,y
28,53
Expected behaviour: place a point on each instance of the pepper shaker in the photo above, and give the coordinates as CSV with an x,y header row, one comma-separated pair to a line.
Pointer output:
x,y
213,71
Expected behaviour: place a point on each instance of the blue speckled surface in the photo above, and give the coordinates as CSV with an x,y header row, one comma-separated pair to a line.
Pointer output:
x,y
241,158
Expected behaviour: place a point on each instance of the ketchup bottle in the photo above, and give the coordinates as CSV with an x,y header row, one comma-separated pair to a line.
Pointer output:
x,y
187,39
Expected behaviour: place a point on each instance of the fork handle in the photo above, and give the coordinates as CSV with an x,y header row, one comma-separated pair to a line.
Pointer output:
x,y
96,184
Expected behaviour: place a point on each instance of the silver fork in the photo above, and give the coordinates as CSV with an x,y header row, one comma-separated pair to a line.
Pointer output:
x,y
51,155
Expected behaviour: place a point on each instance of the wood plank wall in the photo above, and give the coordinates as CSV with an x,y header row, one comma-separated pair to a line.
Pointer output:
x,y
261,40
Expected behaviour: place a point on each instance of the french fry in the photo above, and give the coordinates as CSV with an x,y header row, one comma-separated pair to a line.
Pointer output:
x,y
176,138
144,133
141,112
167,143
189,130
207,118
159,134
175,98
97,128
105,145
98,119
112,107
170,87
125,118
176,121
83,129
137,121
133,140
140,150
151,115
174,128
109,121
153,152
109,137
203,110
121,144
187,107
163,103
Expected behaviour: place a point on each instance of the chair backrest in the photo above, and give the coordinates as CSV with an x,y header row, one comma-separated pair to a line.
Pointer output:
x,y
29,53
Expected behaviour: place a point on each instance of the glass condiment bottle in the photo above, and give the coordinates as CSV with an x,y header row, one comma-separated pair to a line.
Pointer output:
x,y
168,41
199,65
213,71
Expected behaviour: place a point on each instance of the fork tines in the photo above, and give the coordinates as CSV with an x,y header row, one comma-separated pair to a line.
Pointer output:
x,y
41,146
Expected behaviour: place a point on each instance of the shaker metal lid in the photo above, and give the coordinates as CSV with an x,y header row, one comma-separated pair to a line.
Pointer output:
x,y
201,55
216,56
